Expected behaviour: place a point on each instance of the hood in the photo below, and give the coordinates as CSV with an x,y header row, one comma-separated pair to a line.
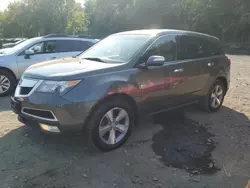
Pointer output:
x,y
67,69
3,50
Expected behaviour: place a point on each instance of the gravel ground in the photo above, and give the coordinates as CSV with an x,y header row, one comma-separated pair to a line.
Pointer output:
x,y
31,159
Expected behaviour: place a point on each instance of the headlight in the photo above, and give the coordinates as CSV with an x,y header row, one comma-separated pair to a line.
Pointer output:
x,y
57,86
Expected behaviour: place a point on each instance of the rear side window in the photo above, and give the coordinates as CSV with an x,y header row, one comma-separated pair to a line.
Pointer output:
x,y
211,49
73,45
195,47
82,45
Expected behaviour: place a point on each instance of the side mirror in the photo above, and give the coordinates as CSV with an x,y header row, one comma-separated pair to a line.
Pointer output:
x,y
37,49
155,61
27,53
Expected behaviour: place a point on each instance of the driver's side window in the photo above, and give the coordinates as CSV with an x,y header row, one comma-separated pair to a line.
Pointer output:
x,y
37,48
164,46
43,47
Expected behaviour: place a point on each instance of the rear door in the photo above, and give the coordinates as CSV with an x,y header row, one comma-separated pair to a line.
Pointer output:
x,y
69,48
185,74
43,51
213,62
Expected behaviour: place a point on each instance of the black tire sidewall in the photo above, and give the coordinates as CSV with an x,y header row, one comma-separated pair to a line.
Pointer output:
x,y
217,82
12,83
98,115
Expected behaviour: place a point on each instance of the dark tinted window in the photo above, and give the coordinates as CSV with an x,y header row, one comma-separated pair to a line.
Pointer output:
x,y
82,45
211,49
73,45
164,46
195,47
191,48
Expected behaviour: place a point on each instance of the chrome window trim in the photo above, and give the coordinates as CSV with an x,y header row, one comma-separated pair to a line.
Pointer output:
x,y
41,118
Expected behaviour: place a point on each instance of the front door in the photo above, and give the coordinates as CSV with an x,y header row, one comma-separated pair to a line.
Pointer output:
x,y
43,51
154,82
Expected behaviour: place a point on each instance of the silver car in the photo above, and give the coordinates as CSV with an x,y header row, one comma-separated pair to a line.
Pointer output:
x,y
14,61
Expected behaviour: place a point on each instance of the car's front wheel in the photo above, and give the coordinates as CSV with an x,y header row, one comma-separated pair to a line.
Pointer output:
x,y
111,124
214,99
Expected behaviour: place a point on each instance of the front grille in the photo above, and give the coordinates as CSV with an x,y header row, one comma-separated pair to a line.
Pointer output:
x,y
44,114
25,90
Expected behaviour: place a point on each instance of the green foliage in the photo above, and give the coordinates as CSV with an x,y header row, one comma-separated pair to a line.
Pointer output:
x,y
29,18
227,19
77,23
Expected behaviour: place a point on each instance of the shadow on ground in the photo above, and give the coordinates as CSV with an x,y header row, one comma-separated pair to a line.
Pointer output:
x,y
5,104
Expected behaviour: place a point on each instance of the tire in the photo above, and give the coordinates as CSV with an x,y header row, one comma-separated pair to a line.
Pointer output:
x,y
98,123
207,104
7,83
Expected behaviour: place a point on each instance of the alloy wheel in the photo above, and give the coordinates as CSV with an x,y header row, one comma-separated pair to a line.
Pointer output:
x,y
4,84
114,126
216,96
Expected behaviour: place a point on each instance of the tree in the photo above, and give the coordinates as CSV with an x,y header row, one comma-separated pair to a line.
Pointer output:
x,y
29,18
77,21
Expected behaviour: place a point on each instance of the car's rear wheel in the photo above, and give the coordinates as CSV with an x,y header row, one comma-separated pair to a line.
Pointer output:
x,y
111,124
214,99
7,83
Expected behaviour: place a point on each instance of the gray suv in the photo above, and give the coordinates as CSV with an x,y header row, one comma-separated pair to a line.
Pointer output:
x,y
14,61
104,89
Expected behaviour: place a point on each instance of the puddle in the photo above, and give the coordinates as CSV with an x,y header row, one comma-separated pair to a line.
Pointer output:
x,y
184,144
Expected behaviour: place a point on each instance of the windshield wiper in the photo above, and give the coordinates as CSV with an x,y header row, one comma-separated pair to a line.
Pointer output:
x,y
94,59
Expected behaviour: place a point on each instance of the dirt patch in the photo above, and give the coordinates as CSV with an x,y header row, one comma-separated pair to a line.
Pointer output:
x,y
184,144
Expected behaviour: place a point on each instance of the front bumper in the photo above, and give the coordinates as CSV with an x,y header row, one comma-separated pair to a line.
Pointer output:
x,y
67,116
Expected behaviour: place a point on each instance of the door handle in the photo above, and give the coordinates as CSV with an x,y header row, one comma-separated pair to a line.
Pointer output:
x,y
210,64
179,70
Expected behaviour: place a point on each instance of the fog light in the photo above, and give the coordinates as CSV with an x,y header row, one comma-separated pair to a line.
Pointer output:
x,y
50,128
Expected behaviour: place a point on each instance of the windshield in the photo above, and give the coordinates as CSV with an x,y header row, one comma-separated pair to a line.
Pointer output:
x,y
19,46
118,48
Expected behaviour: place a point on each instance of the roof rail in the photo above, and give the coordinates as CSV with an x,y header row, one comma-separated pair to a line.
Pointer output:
x,y
72,36
55,35
85,36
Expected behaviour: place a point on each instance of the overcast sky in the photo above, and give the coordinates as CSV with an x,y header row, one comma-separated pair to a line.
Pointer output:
x,y
4,3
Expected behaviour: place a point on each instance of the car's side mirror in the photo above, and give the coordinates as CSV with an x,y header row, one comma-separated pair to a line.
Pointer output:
x,y
37,49
155,61
28,53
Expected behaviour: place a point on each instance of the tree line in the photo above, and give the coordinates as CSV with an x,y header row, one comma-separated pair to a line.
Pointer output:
x,y
227,19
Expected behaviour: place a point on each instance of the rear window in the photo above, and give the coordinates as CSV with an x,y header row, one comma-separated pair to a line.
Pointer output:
x,y
73,45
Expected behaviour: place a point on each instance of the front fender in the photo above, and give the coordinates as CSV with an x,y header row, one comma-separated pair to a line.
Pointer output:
x,y
102,87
